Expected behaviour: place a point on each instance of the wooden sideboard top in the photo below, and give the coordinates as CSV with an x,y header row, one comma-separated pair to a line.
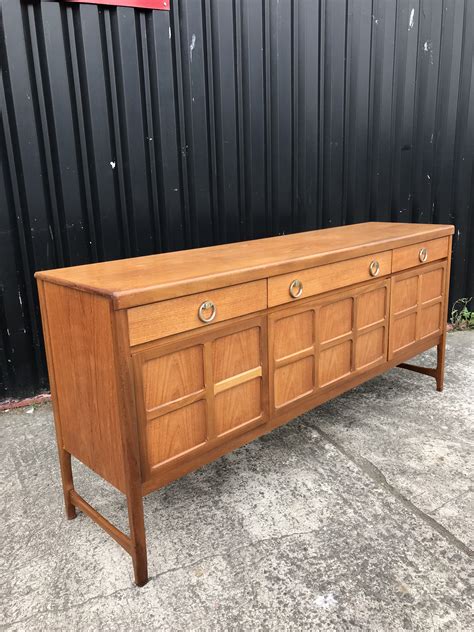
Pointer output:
x,y
141,280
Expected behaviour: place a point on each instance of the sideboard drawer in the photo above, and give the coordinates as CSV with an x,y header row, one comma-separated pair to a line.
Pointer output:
x,y
157,320
303,283
417,254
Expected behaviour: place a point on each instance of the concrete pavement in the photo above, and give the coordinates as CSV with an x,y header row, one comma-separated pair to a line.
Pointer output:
x,y
356,516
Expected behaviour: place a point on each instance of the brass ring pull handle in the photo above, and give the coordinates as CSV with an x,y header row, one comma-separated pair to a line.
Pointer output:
x,y
203,308
296,288
374,268
423,255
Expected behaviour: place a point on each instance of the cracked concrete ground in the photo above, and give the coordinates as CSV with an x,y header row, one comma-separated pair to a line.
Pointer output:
x,y
357,515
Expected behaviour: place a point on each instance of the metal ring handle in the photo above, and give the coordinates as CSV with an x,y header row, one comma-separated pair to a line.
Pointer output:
x,y
374,268
423,255
204,307
296,288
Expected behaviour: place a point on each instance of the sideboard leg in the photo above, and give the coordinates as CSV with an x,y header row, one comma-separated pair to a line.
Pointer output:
x,y
67,480
137,535
441,353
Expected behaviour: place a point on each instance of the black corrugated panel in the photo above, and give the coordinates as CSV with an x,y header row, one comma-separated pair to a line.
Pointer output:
x,y
126,132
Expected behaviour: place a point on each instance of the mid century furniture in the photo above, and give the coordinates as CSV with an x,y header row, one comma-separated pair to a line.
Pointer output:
x,y
160,364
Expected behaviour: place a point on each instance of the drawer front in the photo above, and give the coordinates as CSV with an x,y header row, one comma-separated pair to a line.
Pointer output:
x,y
333,276
157,320
418,254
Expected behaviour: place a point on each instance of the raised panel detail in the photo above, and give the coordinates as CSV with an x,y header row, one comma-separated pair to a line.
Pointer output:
x,y
293,334
173,376
405,293
237,406
430,320
432,285
194,393
370,347
313,346
178,432
416,305
335,363
293,381
236,353
335,319
404,331
371,307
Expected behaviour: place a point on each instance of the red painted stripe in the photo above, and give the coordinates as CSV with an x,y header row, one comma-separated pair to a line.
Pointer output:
x,y
20,403
162,5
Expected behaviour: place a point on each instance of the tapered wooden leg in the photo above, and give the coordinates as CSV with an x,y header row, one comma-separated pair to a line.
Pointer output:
x,y
441,353
137,536
67,480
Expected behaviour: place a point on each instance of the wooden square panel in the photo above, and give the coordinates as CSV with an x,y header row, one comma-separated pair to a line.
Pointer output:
x,y
403,331
432,284
335,363
370,347
170,377
170,435
335,320
293,381
293,333
236,353
237,406
430,320
405,293
371,307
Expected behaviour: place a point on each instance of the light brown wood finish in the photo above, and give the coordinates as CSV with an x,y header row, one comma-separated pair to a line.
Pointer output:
x,y
64,456
286,413
143,280
428,289
417,310
130,447
224,395
412,256
328,277
146,394
159,320
82,355
321,341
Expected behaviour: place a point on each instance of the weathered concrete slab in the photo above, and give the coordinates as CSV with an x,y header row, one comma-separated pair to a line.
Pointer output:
x,y
298,530
421,440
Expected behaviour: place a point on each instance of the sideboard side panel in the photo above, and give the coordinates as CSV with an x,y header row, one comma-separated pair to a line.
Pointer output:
x,y
78,327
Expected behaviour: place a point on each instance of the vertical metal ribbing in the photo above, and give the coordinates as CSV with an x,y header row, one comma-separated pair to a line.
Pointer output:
x,y
83,167
111,71
150,134
295,216
245,220
41,87
182,142
322,57
306,138
29,297
218,222
268,115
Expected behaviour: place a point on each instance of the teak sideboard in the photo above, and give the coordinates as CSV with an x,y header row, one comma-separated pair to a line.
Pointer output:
x,y
163,363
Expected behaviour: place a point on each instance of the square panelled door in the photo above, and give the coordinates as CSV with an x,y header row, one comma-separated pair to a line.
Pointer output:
x,y
200,392
321,342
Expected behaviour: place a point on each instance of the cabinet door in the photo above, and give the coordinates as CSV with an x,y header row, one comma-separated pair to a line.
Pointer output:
x,y
417,306
317,344
199,391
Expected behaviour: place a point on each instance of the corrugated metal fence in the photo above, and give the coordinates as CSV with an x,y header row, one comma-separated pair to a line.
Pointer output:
x,y
127,132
